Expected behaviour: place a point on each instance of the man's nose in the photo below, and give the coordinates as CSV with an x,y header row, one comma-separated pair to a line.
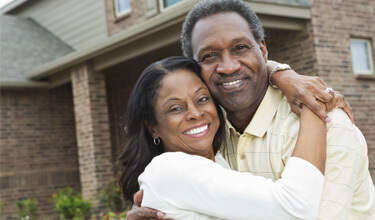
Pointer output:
x,y
228,64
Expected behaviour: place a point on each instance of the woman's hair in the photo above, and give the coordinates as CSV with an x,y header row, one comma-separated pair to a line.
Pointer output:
x,y
140,149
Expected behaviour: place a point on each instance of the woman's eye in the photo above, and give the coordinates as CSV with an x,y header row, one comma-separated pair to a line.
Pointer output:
x,y
204,99
175,109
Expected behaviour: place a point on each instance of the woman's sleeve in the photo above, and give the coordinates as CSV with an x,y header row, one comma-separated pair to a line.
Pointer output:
x,y
197,184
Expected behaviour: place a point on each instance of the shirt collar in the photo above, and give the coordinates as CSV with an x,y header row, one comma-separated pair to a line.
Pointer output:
x,y
262,118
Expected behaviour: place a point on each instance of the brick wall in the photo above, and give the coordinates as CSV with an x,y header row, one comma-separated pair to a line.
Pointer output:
x,y
334,22
119,86
38,152
93,135
116,25
293,47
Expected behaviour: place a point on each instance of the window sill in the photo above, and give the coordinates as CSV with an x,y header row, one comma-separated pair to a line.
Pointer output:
x,y
164,8
119,17
370,76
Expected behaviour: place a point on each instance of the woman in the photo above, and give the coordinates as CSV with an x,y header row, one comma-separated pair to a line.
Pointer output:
x,y
173,121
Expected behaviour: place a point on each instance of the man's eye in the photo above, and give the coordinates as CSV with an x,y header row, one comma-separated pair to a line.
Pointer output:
x,y
241,47
208,57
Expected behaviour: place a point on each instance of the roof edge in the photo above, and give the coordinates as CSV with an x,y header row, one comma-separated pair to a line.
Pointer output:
x,y
295,3
24,84
11,6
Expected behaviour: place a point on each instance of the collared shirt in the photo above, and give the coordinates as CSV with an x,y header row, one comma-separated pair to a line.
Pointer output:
x,y
268,142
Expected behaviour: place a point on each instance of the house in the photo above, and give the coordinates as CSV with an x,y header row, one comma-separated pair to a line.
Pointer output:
x,y
67,68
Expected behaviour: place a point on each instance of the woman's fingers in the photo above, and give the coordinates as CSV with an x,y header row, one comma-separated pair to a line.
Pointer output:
x,y
137,198
338,101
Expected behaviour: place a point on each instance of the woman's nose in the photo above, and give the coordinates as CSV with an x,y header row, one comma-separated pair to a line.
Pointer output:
x,y
194,112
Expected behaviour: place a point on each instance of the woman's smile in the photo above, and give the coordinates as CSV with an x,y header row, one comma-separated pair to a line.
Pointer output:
x,y
198,131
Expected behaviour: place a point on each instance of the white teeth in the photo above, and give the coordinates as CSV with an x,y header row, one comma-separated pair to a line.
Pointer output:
x,y
232,84
197,130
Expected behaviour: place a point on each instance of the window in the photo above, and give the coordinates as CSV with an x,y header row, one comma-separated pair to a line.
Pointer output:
x,y
361,56
122,7
168,3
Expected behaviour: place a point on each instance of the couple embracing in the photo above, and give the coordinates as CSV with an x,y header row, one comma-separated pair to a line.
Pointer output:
x,y
210,137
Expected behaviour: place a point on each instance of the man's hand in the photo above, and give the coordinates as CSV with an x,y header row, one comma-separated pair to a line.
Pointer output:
x,y
143,213
138,213
309,90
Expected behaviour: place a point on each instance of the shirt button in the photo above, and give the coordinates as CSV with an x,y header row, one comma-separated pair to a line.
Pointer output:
x,y
242,157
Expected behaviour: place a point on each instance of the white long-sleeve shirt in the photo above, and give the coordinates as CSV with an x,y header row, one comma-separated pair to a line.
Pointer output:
x,y
192,187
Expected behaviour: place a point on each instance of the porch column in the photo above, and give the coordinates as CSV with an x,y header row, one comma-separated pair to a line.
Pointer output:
x,y
92,128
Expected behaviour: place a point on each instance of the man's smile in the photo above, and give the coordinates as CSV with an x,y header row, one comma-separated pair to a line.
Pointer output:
x,y
230,85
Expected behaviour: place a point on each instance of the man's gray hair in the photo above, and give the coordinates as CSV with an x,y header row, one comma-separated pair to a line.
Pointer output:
x,y
205,8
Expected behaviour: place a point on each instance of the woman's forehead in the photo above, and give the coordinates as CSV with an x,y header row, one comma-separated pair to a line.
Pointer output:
x,y
179,84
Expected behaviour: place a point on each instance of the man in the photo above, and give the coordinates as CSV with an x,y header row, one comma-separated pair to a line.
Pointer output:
x,y
262,128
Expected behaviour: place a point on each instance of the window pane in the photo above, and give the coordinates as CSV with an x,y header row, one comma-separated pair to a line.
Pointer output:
x,y
123,5
168,3
360,56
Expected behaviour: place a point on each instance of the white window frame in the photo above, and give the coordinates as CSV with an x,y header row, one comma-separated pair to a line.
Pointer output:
x,y
123,13
163,8
369,53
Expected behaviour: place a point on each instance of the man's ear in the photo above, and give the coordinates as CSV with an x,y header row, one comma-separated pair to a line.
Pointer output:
x,y
263,49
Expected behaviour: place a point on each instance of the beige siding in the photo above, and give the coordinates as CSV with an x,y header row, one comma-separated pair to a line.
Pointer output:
x,y
79,23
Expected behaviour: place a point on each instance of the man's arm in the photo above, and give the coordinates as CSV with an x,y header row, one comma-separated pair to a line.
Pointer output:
x,y
307,90
142,213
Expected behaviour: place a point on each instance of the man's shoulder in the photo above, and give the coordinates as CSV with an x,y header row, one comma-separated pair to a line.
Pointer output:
x,y
342,132
285,121
288,121
339,119
284,111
